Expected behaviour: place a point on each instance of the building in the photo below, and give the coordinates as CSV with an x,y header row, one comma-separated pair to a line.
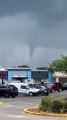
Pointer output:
x,y
25,73
59,76
40,75
3,75
17,73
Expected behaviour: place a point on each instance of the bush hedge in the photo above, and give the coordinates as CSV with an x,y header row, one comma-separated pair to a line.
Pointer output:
x,y
53,104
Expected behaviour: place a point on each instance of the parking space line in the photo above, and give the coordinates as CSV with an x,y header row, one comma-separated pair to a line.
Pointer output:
x,y
13,116
1,103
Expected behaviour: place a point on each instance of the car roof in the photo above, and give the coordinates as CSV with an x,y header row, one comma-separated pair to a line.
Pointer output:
x,y
65,84
16,83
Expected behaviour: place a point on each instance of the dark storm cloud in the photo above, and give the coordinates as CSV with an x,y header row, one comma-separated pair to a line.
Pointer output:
x,y
35,26
50,9
8,7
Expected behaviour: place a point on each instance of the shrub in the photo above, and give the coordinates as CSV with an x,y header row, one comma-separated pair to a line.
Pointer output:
x,y
56,106
53,104
65,106
65,99
46,103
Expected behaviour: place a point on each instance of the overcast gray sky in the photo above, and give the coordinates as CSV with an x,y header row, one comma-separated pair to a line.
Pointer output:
x,y
32,32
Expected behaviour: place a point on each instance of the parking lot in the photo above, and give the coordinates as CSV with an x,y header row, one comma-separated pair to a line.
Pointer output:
x,y
12,108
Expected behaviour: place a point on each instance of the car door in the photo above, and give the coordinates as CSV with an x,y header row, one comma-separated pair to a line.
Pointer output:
x,y
2,90
23,89
65,87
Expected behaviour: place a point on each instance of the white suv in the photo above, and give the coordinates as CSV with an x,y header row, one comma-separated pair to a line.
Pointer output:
x,y
25,89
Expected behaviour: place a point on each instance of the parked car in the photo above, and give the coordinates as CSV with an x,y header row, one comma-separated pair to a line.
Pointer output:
x,y
43,90
14,88
8,91
57,86
64,86
25,89
49,86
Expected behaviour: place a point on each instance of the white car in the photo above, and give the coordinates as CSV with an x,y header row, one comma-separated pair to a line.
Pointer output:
x,y
25,89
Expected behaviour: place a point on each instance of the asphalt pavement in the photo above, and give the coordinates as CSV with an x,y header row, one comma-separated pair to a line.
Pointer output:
x,y
12,108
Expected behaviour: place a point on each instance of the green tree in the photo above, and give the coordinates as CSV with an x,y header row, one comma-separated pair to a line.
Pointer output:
x,y
59,64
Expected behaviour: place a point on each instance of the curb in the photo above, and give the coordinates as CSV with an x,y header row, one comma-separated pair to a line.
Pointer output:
x,y
26,110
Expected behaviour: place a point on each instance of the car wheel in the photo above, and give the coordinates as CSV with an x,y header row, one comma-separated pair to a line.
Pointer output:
x,y
59,90
47,94
6,95
52,90
13,96
42,93
30,94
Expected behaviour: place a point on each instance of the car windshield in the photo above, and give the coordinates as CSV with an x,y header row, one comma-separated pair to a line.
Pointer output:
x,y
65,84
31,86
37,86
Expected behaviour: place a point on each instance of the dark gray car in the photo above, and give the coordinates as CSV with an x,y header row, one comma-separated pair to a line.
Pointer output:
x,y
43,90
